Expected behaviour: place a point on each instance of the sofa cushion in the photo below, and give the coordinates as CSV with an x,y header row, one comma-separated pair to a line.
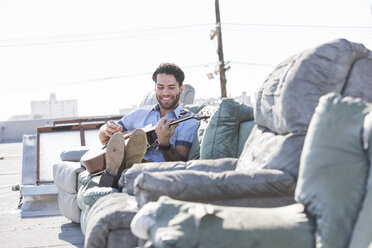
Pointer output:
x,y
267,150
221,137
334,168
195,148
65,176
284,104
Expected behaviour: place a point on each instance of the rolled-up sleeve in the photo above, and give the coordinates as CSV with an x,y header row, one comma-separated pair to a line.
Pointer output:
x,y
187,133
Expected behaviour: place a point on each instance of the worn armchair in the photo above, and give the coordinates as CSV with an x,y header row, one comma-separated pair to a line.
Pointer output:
x,y
334,195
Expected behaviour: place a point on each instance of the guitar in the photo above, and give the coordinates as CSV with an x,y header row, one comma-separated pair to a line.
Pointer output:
x,y
94,160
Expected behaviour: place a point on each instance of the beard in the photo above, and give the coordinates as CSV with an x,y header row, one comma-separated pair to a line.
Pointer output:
x,y
171,104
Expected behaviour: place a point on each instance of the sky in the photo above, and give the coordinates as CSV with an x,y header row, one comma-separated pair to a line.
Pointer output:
x,y
103,53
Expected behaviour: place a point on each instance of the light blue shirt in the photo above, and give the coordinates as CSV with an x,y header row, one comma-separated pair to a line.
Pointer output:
x,y
183,136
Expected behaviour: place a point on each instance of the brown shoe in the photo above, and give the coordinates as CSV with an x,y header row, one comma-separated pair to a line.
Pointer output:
x,y
136,148
114,156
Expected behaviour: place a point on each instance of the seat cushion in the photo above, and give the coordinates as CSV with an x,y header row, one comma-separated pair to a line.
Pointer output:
x,y
334,168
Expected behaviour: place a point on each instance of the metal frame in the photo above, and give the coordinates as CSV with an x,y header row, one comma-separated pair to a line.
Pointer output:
x,y
70,125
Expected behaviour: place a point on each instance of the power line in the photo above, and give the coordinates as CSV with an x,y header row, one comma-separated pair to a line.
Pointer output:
x,y
97,79
50,40
298,26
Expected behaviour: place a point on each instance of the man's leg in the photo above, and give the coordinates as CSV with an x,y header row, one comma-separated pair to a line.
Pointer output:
x,y
116,161
136,148
115,154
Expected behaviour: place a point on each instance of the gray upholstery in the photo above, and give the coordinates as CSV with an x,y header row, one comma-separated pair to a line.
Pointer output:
x,y
333,191
111,212
334,168
171,223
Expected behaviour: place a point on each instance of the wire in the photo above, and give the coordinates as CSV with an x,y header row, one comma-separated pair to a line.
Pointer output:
x,y
97,79
50,40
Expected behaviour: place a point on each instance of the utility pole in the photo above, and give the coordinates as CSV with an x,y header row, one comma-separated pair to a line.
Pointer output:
x,y
221,68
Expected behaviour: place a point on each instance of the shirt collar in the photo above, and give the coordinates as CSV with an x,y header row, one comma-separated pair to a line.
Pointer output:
x,y
176,112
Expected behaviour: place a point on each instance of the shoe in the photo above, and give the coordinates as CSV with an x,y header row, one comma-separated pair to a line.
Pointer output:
x,y
136,148
114,157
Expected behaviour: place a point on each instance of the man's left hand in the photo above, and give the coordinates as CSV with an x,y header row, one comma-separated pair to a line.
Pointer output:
x,y
164,132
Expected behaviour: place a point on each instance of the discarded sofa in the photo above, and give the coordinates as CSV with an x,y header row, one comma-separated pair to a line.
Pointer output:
x,y
266,172
333,195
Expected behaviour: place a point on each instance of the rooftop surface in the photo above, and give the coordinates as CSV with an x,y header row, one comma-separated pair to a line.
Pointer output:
x,y
15,231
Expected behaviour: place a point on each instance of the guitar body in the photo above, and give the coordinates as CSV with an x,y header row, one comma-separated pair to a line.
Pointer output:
x,y
94,160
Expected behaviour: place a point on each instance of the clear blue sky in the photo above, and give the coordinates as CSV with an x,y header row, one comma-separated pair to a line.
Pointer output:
x,y
102,53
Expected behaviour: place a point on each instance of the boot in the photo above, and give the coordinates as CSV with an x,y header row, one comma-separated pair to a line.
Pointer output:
x,y
136,148
114,161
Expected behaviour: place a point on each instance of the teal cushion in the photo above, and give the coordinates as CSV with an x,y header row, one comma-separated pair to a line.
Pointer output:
x,y
195,148
334,168
222,134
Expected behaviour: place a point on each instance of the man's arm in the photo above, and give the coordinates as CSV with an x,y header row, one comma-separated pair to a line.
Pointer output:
x,y
179,154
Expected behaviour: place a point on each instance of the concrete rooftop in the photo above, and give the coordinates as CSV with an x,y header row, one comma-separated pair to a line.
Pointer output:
x,y
36,231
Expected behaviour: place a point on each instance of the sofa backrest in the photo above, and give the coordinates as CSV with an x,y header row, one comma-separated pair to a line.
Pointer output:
x,y
334,168
287,100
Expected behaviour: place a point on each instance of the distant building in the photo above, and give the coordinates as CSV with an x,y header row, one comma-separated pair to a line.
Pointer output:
x,y
244,99
54,108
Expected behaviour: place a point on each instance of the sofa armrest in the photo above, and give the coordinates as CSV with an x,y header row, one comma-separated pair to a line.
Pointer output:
x,y
171,223
73,154
209,165
65,175
204,186
212,165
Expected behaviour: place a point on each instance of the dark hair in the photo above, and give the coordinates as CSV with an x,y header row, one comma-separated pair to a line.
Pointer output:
x,y
170,69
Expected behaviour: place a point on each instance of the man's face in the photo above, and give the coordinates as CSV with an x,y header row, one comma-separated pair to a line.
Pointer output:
x,y
167,91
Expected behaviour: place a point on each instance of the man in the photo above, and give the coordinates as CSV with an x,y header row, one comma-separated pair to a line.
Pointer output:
x,y
173,142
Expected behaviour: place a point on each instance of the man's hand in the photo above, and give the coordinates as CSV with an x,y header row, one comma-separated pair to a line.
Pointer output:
x,y
112,127
107,130
164,132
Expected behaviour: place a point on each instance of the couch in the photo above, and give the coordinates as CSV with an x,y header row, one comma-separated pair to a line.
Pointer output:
x,y
333,195
266,168
266,172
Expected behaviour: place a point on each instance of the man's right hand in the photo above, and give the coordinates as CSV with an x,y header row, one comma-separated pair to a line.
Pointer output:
x,y
112,127
107,130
